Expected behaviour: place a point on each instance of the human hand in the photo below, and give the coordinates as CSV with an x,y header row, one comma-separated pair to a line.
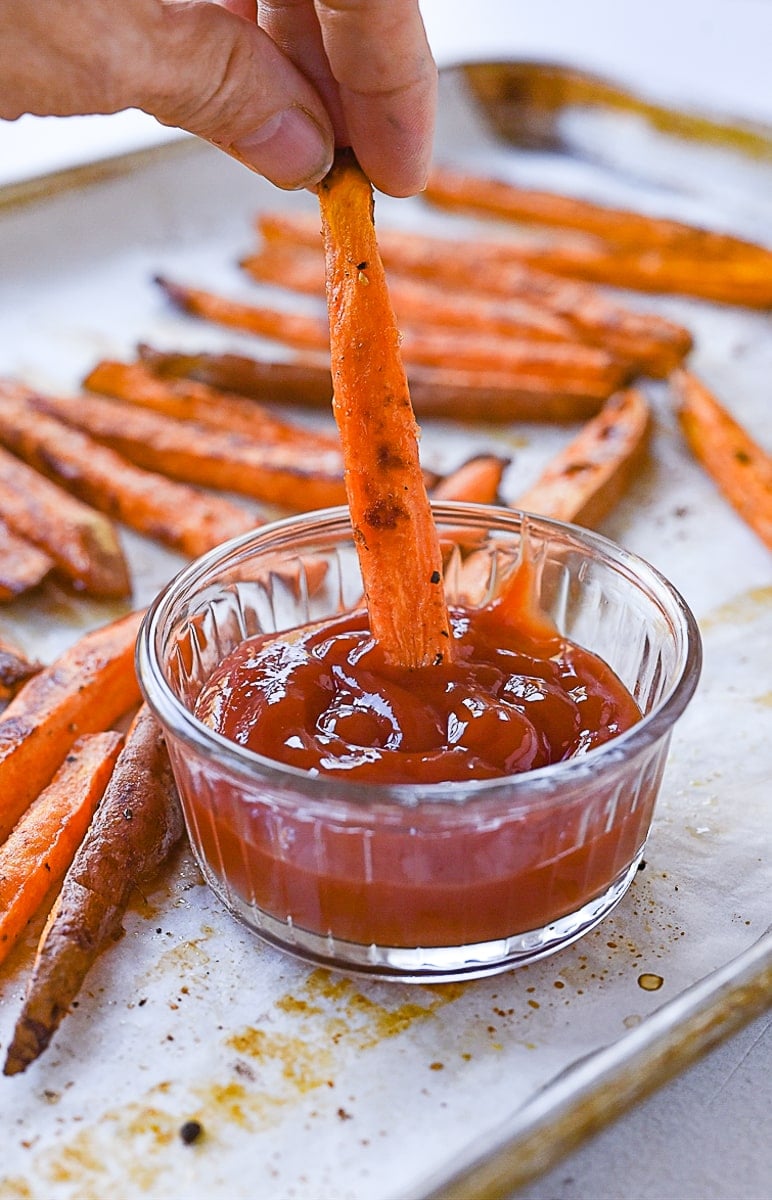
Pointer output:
x,y
275,83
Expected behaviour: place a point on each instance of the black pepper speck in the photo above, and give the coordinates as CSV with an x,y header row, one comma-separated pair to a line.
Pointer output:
x,y
191,1131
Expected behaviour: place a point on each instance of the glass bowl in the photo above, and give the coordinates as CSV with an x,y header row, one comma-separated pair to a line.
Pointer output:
x,y
419,882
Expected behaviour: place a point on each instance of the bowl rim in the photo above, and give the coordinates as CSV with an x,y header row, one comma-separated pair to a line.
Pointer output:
x,y
540,784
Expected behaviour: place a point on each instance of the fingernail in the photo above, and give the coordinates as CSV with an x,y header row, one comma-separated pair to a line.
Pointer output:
x,y
290,149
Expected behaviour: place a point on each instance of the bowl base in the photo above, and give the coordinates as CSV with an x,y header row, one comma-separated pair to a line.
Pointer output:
x,y
432,964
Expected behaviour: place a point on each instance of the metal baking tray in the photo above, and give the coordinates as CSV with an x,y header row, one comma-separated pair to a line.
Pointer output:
x,y
308,1083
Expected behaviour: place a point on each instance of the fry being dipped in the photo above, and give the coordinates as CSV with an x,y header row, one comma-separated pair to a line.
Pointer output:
x,y
396,540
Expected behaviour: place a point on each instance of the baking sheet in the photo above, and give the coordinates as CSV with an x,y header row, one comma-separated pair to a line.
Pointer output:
x,y
309,1083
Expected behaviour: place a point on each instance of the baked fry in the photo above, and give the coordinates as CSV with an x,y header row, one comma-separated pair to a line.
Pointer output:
x,y
394,531
184,450
188,400
459,190
133,831
181,517
416,301
747,283
292,383
435,392
476,481
652,343
15,667
586,479
293,329
82,543
22,565
737,464
587,366
40,848
84,691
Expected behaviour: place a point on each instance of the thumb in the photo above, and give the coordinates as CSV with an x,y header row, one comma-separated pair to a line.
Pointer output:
x,y
221,77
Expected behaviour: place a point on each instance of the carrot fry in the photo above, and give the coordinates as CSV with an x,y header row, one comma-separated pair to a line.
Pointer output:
x,y
654,344
15,670
41,847
22,565
15,667
308,384
427,345
435,392
459,190
188,400
133,831
181,517
83,691
476,481
725,281
416,301
82,543
737,464
396,539
194,453
586,479
294,329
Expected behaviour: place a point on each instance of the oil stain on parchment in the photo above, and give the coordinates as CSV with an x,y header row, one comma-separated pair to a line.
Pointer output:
x,y
266,1071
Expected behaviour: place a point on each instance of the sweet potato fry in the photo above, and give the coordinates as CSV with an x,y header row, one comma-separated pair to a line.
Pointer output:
x,y
84,691
188,400
652,343
83,544
40,848
742,282
396,539
435,392
293,329
15,667
434,346
737,464
305,384
476,481
133,831
22,565
181,517
586,479
460,190
416,301
194,453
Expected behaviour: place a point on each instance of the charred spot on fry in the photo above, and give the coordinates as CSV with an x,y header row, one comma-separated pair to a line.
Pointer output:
x,y
385,514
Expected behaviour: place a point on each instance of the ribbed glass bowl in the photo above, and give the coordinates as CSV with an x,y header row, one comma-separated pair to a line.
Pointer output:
x,y
419,882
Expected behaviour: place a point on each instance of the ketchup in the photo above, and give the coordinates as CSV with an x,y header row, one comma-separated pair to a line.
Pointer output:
x,y
515,697
324,700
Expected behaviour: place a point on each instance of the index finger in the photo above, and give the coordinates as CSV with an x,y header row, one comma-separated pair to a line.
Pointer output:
x,y
384,80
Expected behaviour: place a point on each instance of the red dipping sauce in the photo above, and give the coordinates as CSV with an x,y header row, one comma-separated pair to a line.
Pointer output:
x,y
324,700
321,699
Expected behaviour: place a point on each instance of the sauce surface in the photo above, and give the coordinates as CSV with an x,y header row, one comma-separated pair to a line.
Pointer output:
x,y
323,699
